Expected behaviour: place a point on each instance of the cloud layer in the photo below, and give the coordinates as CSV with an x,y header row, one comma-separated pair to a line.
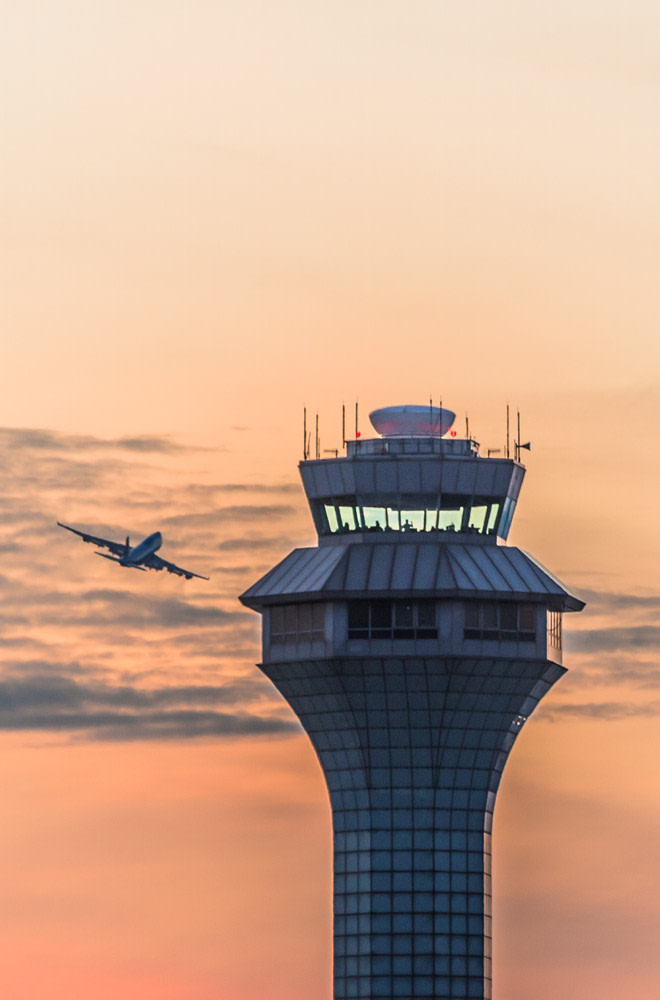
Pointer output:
x,y
101,653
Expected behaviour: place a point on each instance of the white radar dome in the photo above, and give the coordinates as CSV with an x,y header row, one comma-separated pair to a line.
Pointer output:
x,y
412,421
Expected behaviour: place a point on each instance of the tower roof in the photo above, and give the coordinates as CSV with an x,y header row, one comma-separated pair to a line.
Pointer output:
x,y
409,569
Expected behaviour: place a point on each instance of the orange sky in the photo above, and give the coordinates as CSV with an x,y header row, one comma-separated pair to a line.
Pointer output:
x,y
213,215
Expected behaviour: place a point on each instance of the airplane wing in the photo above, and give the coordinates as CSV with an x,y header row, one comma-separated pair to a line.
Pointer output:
x,y
117,548
157,562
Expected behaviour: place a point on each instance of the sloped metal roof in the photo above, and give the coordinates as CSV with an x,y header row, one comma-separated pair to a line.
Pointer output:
x,y
399,569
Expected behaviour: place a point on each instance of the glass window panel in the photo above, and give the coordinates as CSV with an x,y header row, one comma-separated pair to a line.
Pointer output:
x,y
393,518
347,518
478,517
331,515
472,615
276,621
318,617
374,518
489,614
358,614
492,517
507,515
426,614
508,617
305,618
450,520
381,614
431,520
403,614
526,617
412,520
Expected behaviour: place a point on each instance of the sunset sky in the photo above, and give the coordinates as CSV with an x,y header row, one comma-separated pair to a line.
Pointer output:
x,y
213,215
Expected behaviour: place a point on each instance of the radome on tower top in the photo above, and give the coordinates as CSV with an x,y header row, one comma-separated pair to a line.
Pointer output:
x,y
412,421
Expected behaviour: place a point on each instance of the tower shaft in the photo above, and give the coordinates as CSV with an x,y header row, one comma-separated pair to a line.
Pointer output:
x,y
412,751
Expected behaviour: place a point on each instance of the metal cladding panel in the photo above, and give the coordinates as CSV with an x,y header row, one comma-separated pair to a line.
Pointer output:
x,y
312,575
314,481
365,477
446,578
335,478
356,569
519,572
320,569
410,479
426,567
303,571
292,570
308,480
380,572
576,603
449,477
495,569
466,567
347,473
321,480
467,475
386,477
272,581
502,478
431,476
404,567
485,481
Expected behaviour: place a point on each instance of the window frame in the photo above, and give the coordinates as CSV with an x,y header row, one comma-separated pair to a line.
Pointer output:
x,y
498,621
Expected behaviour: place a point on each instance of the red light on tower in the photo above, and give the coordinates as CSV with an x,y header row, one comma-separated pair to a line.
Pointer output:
x,y
358,434
453,433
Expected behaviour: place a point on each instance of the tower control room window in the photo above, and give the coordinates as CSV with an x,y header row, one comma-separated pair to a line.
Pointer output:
x,y
297,622
398,619
500,620
411,514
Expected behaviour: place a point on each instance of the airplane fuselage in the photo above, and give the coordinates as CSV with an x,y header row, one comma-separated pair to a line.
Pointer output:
x,y
138,553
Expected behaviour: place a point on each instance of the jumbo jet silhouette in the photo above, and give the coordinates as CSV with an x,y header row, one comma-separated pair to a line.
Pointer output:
x,y
141,556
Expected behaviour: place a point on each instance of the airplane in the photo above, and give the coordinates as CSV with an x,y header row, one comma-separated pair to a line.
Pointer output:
x,y
141,556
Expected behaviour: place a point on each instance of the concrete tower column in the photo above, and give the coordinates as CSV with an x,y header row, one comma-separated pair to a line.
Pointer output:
x,y
412,647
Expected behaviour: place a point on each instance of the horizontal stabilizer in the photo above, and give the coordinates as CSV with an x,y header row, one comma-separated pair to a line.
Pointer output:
x,y
104,556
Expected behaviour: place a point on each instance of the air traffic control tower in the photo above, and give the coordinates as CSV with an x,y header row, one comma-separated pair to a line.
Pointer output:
x,y
412,644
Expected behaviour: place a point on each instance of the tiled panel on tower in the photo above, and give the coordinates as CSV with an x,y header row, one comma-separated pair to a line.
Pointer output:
x,y
412,644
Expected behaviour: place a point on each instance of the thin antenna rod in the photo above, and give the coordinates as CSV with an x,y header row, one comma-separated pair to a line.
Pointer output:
x,y
357,432
431,414
518,441
318,442
343,425
304,434
507,430
467,427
